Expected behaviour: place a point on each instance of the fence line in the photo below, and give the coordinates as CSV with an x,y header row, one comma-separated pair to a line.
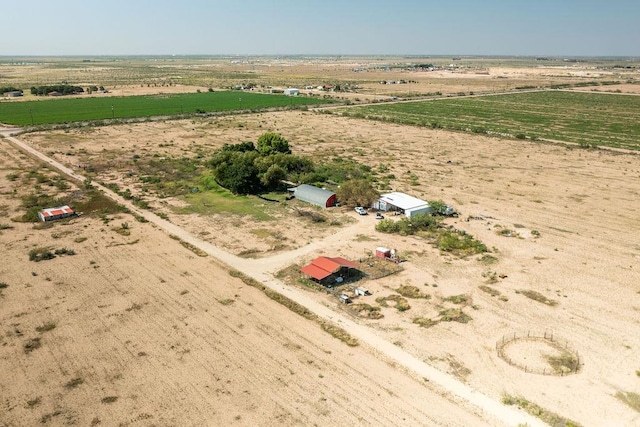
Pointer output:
x,y
548,337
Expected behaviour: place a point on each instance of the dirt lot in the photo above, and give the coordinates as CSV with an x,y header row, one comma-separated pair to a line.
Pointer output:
x,y
573,213
134,329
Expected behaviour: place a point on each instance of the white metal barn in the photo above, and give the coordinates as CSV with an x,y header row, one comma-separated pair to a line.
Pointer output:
x,y
403,203
292,91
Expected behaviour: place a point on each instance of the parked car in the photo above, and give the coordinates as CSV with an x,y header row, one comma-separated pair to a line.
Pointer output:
x,y
361,210
379,215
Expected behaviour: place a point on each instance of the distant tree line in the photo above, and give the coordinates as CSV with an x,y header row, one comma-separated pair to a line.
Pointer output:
x,y
63,89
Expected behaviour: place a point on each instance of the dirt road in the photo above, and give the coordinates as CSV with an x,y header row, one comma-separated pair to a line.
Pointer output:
x,y
261,270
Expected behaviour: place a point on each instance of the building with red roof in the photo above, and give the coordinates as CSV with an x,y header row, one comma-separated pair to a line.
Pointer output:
x,y
51,214
323,269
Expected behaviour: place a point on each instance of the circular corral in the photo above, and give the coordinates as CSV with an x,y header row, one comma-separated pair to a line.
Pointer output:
x,y
539,353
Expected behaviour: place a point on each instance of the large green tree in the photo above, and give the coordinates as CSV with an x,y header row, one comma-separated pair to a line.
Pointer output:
x,y
272,143
357,192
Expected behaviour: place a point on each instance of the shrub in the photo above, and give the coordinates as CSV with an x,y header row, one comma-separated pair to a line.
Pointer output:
x,y
409,291
537,296
424,322
75,382
454,315
46,327
40,254
32,344
457,299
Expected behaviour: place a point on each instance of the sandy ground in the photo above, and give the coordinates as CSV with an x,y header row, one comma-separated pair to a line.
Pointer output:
x,y
146,333
583,203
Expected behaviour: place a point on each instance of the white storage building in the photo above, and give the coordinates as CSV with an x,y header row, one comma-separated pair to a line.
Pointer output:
x,y
403,203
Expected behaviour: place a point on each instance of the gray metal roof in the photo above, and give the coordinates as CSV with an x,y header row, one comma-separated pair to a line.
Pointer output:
x,y
314,195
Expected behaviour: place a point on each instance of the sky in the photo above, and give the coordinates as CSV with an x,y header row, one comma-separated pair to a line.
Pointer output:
x,y
321,27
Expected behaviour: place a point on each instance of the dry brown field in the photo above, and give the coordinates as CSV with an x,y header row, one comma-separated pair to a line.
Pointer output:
x,y
148,333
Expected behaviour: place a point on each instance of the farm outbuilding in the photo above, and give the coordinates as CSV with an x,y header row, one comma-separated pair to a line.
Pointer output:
x,y
292,91
13,94
328,270
51,214
315,195
403,203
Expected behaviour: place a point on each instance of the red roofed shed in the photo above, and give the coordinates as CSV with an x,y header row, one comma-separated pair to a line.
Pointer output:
x,y
51,214
323,267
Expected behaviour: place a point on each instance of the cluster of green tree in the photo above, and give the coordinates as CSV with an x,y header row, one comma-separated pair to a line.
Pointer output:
x,y
336,171
5,89
63,89
245,168
357,192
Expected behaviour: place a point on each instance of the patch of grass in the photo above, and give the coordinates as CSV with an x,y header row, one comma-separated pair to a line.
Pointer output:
x,y
629,398
109,399
73,383
491,291
424,322
314,216
454,315
34,402
457,299
548,417
123,229
219,200
46,327
401,304
409,291
226,301
64,251
80,239
3,285
491,276
32,344
5,227
47,417
488,259
367,311
196,250
40,254
537,296
563,363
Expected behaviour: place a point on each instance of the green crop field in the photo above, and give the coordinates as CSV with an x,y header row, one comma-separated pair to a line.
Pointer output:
x,y
588,119
66,110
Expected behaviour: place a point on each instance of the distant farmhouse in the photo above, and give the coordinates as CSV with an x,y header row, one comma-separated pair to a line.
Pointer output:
x,y
292,91
12,94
